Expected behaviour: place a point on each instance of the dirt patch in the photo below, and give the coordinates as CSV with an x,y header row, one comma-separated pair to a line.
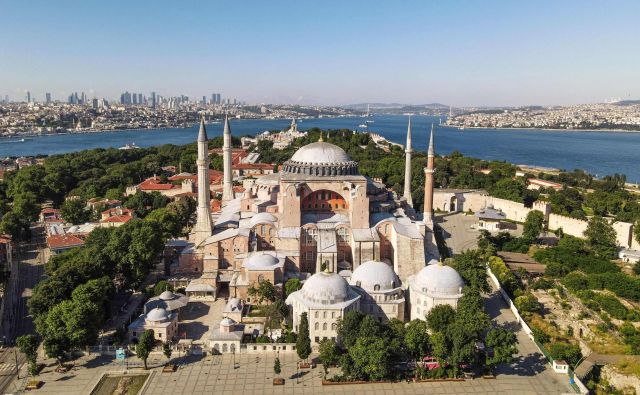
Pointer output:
x,y
120,385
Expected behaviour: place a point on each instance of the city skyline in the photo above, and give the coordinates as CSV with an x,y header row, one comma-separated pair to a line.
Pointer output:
x,y
462,53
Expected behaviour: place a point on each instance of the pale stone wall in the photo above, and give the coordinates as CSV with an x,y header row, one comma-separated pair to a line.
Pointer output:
x,y
570,226
621,381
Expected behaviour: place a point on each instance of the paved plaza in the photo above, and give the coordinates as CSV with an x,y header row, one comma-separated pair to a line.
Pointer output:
x,y
253,374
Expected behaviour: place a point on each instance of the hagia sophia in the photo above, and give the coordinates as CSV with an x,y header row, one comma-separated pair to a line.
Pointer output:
x,y
353,243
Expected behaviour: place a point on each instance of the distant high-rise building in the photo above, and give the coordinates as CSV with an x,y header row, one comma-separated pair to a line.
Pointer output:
x,y
125,98
47,97
28,97
204,100
135,98
218,99
153,100
83,99
94,104
139,98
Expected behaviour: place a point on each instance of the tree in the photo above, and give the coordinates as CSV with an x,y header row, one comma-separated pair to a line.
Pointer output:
x,y
292,285
276,366
28,345
472,268
329,353
161,286
166,350
503,342
636,230
371,358
167,220
145,345
349,328
439,347
15,225
527,304
26,205
440,317
416,339
569,352
264,291
601,238
303,343
75,211
533,225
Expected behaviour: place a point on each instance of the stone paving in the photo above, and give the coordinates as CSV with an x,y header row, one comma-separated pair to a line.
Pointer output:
x,y
253,374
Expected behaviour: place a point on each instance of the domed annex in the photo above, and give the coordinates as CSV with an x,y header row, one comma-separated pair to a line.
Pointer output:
x,y
435,284
380,288
321,159
325,297
168,301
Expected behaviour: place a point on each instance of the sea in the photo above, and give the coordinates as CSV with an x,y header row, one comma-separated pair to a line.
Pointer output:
x,y
599,153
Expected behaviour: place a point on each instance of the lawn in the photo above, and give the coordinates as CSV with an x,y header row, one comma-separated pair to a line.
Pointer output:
x,y
120,385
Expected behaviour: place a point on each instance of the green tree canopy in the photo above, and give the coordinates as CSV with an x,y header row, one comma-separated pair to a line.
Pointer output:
x,y
303,343
28,345
75,211
601,238
472,267
533,225
416,339
292,284
145,346
503,342
440,317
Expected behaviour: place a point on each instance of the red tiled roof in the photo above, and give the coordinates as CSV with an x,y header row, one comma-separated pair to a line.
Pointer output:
x,y
50,211
118,218
118,211
154,184
268,166
64,241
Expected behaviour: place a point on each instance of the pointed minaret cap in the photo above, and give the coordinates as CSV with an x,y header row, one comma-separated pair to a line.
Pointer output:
x,y
227,127
408,147
430,152
202,134
321,139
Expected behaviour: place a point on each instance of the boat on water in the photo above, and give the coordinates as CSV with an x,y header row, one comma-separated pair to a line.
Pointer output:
x,y
129,146
368,121
363,125
21,140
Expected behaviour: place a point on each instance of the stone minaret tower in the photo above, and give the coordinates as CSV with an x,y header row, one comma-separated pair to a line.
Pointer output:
x,y
428,183
227,184
407,167
202,230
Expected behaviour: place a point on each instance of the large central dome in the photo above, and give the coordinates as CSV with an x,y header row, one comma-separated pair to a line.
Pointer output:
x,y
321,159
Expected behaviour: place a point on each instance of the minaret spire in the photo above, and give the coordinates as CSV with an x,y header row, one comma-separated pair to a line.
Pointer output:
x,y
407,167
203,227
227,184
321,139
428,183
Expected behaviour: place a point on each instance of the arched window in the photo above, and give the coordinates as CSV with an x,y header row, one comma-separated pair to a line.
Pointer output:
x,y
315,314
316,326
324,326
324,314
224,347
260,278
334,326
376,287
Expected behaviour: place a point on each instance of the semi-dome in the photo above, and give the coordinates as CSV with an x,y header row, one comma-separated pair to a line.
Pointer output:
x,y
325,288
227,322
157,314
168,295
261,261
320,159
439,280
262,218
375,276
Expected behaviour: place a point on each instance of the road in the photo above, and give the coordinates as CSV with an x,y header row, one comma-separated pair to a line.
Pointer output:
x,y
28,270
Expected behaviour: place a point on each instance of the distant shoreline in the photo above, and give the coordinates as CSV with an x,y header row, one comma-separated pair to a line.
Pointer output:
x,y
543,129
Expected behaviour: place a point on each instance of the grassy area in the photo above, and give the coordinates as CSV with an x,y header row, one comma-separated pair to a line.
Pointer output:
x,y
116,385
606,343
629,365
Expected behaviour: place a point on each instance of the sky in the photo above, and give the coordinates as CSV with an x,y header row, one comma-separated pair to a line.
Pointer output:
x,y
463,53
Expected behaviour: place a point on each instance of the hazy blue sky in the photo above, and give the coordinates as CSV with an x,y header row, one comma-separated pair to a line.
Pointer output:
x,y
328,52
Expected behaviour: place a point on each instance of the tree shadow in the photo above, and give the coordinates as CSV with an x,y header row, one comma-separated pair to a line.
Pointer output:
x,y
527,365
194,310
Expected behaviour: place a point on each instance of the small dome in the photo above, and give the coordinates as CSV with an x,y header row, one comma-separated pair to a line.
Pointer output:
x,y
326,288
157,314
234,304
227,322
261,261
438,279
167,295
262,218
375,276
320,153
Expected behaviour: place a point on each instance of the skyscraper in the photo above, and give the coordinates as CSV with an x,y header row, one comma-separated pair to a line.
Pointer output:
x,y
140,98
28,97
153,100
47,97
204,100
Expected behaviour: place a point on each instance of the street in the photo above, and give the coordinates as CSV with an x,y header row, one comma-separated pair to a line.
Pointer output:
x,y
27,270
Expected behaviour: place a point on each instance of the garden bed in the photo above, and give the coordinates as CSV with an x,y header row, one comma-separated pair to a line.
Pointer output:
x,y
121,384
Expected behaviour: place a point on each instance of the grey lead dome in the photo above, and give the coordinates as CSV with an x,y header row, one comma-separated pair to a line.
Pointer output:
x,y
321,159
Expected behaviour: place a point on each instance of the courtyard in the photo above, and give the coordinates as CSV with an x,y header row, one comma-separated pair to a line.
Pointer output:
x,y
253,373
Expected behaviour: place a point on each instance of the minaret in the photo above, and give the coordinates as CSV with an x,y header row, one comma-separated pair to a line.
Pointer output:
x,y
407,167
428,183
202,230
227,184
